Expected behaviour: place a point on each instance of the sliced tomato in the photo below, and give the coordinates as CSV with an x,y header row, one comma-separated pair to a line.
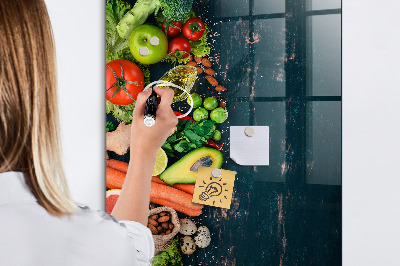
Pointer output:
x,y
174,27
124,81
193,29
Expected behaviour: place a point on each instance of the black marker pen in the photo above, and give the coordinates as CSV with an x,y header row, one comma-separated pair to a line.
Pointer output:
x,y
150,110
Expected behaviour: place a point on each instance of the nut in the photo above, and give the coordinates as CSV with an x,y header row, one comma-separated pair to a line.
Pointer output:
x,y
206,62
168,232
162,234
191,63
199,70
165,225
212,80
220,88
171,226
153,230
163,219
197,59
190,57
152,222
159,228
210,71
154,217
222,103
162,213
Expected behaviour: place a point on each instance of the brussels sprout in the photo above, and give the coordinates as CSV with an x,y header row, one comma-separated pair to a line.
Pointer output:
x,y
197,101
210,103
219,115
217,135
200,114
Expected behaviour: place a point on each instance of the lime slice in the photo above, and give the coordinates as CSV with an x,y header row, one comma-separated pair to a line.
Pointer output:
x,y
161,162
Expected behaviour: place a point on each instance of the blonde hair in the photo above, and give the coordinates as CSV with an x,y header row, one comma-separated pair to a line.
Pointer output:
x,y
29,119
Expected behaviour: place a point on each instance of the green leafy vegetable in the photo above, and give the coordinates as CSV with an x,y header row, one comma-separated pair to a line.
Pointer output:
x,y
110,126
123,113
116,47
171,256
189,135
200,47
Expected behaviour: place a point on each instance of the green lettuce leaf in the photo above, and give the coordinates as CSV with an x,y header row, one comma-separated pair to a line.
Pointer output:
x,y
171,256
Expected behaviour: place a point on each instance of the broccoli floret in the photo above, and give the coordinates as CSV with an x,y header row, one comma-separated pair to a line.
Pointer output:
x,y
176,9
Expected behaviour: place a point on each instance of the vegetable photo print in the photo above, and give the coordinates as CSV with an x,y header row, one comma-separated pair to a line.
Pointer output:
x,y
256,63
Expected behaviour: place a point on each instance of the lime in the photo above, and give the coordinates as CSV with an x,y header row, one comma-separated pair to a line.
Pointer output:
x,y
161,162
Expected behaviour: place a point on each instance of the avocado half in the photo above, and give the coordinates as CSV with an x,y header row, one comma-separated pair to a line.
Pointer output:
x,y
185,170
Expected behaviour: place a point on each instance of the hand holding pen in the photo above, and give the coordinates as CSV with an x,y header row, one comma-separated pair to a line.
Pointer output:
x,y
152,138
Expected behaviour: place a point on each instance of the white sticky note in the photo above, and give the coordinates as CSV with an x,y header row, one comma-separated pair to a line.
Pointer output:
x,y
249,145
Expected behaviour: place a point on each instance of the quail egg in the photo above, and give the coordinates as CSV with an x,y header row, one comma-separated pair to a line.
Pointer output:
x,y
188,227
188,246
202,237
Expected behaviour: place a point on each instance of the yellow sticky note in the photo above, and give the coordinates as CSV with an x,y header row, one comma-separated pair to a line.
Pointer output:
x,y
214,188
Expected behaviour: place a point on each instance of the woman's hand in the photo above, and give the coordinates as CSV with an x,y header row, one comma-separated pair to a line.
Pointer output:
x,y
148,140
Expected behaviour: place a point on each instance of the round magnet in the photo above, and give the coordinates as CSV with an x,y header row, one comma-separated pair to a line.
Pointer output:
x,y
143,51
216,172
154,40
249,131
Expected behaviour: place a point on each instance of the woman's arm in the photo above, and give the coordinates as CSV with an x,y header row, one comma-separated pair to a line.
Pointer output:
x,y
133,202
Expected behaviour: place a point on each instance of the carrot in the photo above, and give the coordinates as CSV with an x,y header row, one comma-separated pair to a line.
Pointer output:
x,y
114,178
178,207
189,188
155,179
172,194
118,165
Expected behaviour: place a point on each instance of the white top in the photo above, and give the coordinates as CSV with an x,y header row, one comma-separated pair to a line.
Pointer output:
x,y
30,236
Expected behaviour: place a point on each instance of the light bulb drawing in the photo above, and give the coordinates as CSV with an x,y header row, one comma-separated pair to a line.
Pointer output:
x,y
214,187
212,190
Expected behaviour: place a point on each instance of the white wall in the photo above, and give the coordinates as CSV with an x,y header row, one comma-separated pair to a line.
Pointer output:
x,y
79,34
371,132
371,118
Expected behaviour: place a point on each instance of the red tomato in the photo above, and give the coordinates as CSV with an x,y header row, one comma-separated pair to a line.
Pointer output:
x,y
174,27
124,81
179,47
193,29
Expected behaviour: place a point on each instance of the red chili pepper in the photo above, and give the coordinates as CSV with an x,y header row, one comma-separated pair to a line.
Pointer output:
x,y
210,143
185,117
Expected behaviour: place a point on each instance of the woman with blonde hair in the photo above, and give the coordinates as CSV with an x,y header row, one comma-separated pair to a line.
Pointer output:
x,y
40,223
